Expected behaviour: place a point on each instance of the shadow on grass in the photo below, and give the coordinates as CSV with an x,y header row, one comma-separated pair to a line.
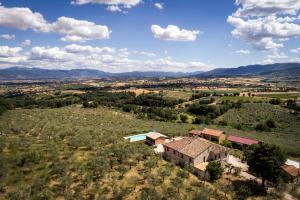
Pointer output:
x,y
245,189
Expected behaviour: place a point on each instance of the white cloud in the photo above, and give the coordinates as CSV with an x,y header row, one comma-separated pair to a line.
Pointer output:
x,y
79,30
144,53
74,48
244,52
114,8
277,55
265,24
6,51
8,37
101,58
25,43
23,19
174,33
49,53
297,50
159,6
74,30
112,5
267,7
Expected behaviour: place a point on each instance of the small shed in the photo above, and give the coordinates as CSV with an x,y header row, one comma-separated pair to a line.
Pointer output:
x,y
154,138
241,141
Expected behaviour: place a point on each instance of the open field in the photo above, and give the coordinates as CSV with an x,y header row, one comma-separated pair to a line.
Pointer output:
x,y
282,95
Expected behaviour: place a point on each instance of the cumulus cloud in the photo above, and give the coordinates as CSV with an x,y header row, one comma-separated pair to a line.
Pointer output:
x,y
297,50
25,43
74,30
6,51
112,5
267,7
22,19
242,51
174,33
114,8
101,58
8,37
144,53
79,30
265,24
159,6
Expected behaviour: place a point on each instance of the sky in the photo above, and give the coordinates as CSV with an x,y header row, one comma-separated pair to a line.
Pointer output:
x,y
148,35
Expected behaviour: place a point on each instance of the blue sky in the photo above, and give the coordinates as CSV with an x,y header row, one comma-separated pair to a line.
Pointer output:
x,y
166,35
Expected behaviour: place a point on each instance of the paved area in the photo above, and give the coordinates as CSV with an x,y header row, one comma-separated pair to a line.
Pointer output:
x,y
237,163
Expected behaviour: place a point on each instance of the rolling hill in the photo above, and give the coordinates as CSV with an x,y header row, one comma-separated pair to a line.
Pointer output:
x,y
277,69
284,69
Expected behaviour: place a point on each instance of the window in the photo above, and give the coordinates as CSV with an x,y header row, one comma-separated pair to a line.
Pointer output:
x,y
167,149
204,159
225,153
219,155
174,152
191,160
181,155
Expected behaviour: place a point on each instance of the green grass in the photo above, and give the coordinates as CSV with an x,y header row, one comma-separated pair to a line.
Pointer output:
x,y
242,98
286,134
281,95
176,94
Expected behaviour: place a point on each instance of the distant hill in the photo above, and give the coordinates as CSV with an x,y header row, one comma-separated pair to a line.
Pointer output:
x,y
280,69
20,73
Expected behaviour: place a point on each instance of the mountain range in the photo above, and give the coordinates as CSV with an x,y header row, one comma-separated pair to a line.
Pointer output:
x,y
277,69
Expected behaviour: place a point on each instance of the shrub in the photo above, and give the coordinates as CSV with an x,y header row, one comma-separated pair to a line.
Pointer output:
x,y
215,170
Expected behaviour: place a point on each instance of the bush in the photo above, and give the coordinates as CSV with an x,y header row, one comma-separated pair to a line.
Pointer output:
x,y
183,118
215,170
262,127
275,101
271,123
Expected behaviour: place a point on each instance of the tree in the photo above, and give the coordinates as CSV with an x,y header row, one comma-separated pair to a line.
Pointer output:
x,y
215,170
183,118
265,161
271,123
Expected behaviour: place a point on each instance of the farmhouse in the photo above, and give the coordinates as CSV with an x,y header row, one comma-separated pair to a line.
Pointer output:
x,y
194,151
241,141
209,134
154,138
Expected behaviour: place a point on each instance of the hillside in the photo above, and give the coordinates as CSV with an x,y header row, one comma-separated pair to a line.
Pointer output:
x,y
278,69
283,69
286,134
15,73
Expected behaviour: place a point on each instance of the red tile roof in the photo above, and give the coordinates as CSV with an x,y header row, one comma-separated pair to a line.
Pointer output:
x,y
195,132
241,140
207,131
193,147
212,132
291,170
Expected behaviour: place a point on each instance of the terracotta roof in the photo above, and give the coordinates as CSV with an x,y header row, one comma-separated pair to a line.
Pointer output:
x,y
155,135
291,170
195,132
193,147
241,140
212,132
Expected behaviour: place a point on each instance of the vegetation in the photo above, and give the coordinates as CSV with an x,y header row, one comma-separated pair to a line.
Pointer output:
x,y
215,170
265,161
77,153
